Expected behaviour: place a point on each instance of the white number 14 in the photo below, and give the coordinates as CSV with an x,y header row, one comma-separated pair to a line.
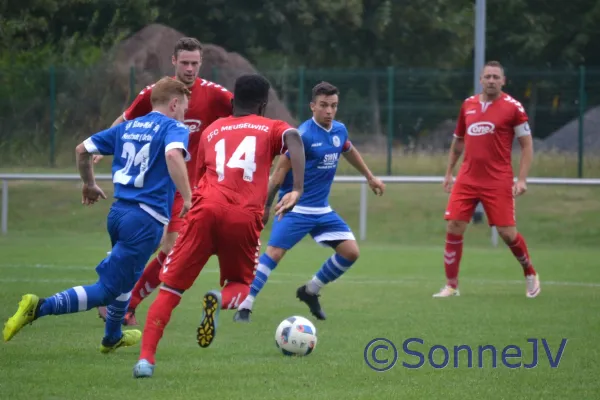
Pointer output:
x,y
245,150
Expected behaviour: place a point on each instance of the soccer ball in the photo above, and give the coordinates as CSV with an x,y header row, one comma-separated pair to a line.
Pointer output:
x,y
296,336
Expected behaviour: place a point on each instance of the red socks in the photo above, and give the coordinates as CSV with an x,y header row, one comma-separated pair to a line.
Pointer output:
x,y
232,295
147,282
158,317
452,255
519,249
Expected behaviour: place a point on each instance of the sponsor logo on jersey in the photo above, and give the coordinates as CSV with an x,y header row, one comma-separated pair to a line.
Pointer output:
x,y
193,124
480,128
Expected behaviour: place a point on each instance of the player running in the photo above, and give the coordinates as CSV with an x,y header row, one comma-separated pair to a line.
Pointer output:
x,y
226,216
324,140
208,103
150,155
486,127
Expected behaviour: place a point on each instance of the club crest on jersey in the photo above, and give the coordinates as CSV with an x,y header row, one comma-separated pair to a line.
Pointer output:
x,y
193,124
336,141
480,128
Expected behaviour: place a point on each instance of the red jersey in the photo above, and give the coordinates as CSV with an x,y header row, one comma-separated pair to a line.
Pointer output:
x,y
236,154
208,102
489,130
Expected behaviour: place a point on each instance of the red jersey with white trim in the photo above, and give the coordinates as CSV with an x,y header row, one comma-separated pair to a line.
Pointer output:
x,y
489,129
236,154
208,102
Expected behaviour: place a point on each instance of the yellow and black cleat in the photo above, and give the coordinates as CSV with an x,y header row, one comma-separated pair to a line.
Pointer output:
x,y
211,306
26,314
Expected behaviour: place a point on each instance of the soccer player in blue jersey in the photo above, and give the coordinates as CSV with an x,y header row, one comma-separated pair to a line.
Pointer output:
x,y
325,139
150,154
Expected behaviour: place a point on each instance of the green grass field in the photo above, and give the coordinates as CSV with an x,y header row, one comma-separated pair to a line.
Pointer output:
x,y
54,243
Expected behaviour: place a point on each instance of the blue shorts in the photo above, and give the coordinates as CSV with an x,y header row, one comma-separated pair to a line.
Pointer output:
x,y
323,228
135,235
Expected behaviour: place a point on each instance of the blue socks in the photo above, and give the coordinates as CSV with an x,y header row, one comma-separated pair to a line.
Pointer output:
x,y
265,266
332,269
115,312
76,299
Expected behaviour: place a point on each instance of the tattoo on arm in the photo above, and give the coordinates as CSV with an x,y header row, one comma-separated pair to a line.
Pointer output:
x,y
85,166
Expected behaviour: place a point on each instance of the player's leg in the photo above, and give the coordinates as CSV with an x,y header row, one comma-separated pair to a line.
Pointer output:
x,y
334,232
113,273
285,234
180,270
500,208
149,279
461,205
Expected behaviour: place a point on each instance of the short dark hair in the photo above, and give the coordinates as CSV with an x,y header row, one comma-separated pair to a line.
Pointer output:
x,y
187,44
324,88
494,64
250,91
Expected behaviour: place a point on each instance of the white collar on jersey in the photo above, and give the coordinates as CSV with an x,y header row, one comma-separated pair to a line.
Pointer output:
x,y
322,127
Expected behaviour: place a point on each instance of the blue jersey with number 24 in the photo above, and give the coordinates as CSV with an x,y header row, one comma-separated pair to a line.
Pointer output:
x,y
139,168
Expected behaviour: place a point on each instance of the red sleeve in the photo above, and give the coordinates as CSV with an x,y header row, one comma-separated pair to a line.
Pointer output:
x,y
459,131
140,106
520,116
222,102
279,128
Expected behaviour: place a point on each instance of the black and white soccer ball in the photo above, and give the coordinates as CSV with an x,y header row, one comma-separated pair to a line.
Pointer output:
x,y
296,336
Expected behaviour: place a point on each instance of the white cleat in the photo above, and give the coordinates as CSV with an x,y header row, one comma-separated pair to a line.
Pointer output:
x,y
533,285
447,291
143,369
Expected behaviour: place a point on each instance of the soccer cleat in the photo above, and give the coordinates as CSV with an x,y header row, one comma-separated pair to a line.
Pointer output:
x,y
129,338
129,319
211,306
242,315
533,285
26,314
312,301
447,291
143,369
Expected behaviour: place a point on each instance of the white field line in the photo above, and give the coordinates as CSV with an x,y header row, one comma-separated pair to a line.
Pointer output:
x,y
277,274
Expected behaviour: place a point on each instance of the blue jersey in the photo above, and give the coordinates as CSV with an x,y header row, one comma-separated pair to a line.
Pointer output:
x,y
139,168
323,149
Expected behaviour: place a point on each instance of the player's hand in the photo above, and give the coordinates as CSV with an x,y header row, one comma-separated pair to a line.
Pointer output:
x,y
265,217
377,186
448,182
90,194
97,158
187,204
519,188
287,203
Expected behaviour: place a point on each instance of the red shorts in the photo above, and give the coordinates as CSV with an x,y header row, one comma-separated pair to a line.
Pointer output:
x,y
498,203
176,223
213,229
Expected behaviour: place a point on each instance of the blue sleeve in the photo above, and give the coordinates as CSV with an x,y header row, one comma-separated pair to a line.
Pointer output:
x,y
103,142
177,137
306,140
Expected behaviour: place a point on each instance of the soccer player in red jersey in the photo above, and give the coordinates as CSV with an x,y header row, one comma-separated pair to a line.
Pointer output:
x,y
208,102
486,127
235,155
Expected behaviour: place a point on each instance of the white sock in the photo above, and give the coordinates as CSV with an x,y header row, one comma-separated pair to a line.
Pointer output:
x,y
247,303
314,285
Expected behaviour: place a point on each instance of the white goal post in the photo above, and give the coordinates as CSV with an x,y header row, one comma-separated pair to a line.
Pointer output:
x,y
364,190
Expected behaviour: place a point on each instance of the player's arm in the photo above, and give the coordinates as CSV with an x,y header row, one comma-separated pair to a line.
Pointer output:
x,y
352,155
102,143
292,140
456,149
523,134
281,169
176,155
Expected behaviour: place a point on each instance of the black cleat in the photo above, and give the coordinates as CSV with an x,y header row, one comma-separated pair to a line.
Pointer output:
x,y
312,301
242,315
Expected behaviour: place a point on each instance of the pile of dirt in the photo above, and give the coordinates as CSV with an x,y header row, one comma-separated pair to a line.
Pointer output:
x,y
149,51
566,139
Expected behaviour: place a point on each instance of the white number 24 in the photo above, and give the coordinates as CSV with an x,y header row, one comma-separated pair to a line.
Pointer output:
x,y
133,159
246,150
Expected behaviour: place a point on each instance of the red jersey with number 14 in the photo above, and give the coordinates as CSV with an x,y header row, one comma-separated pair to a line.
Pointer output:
x,y
489,129
236,155
208,102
